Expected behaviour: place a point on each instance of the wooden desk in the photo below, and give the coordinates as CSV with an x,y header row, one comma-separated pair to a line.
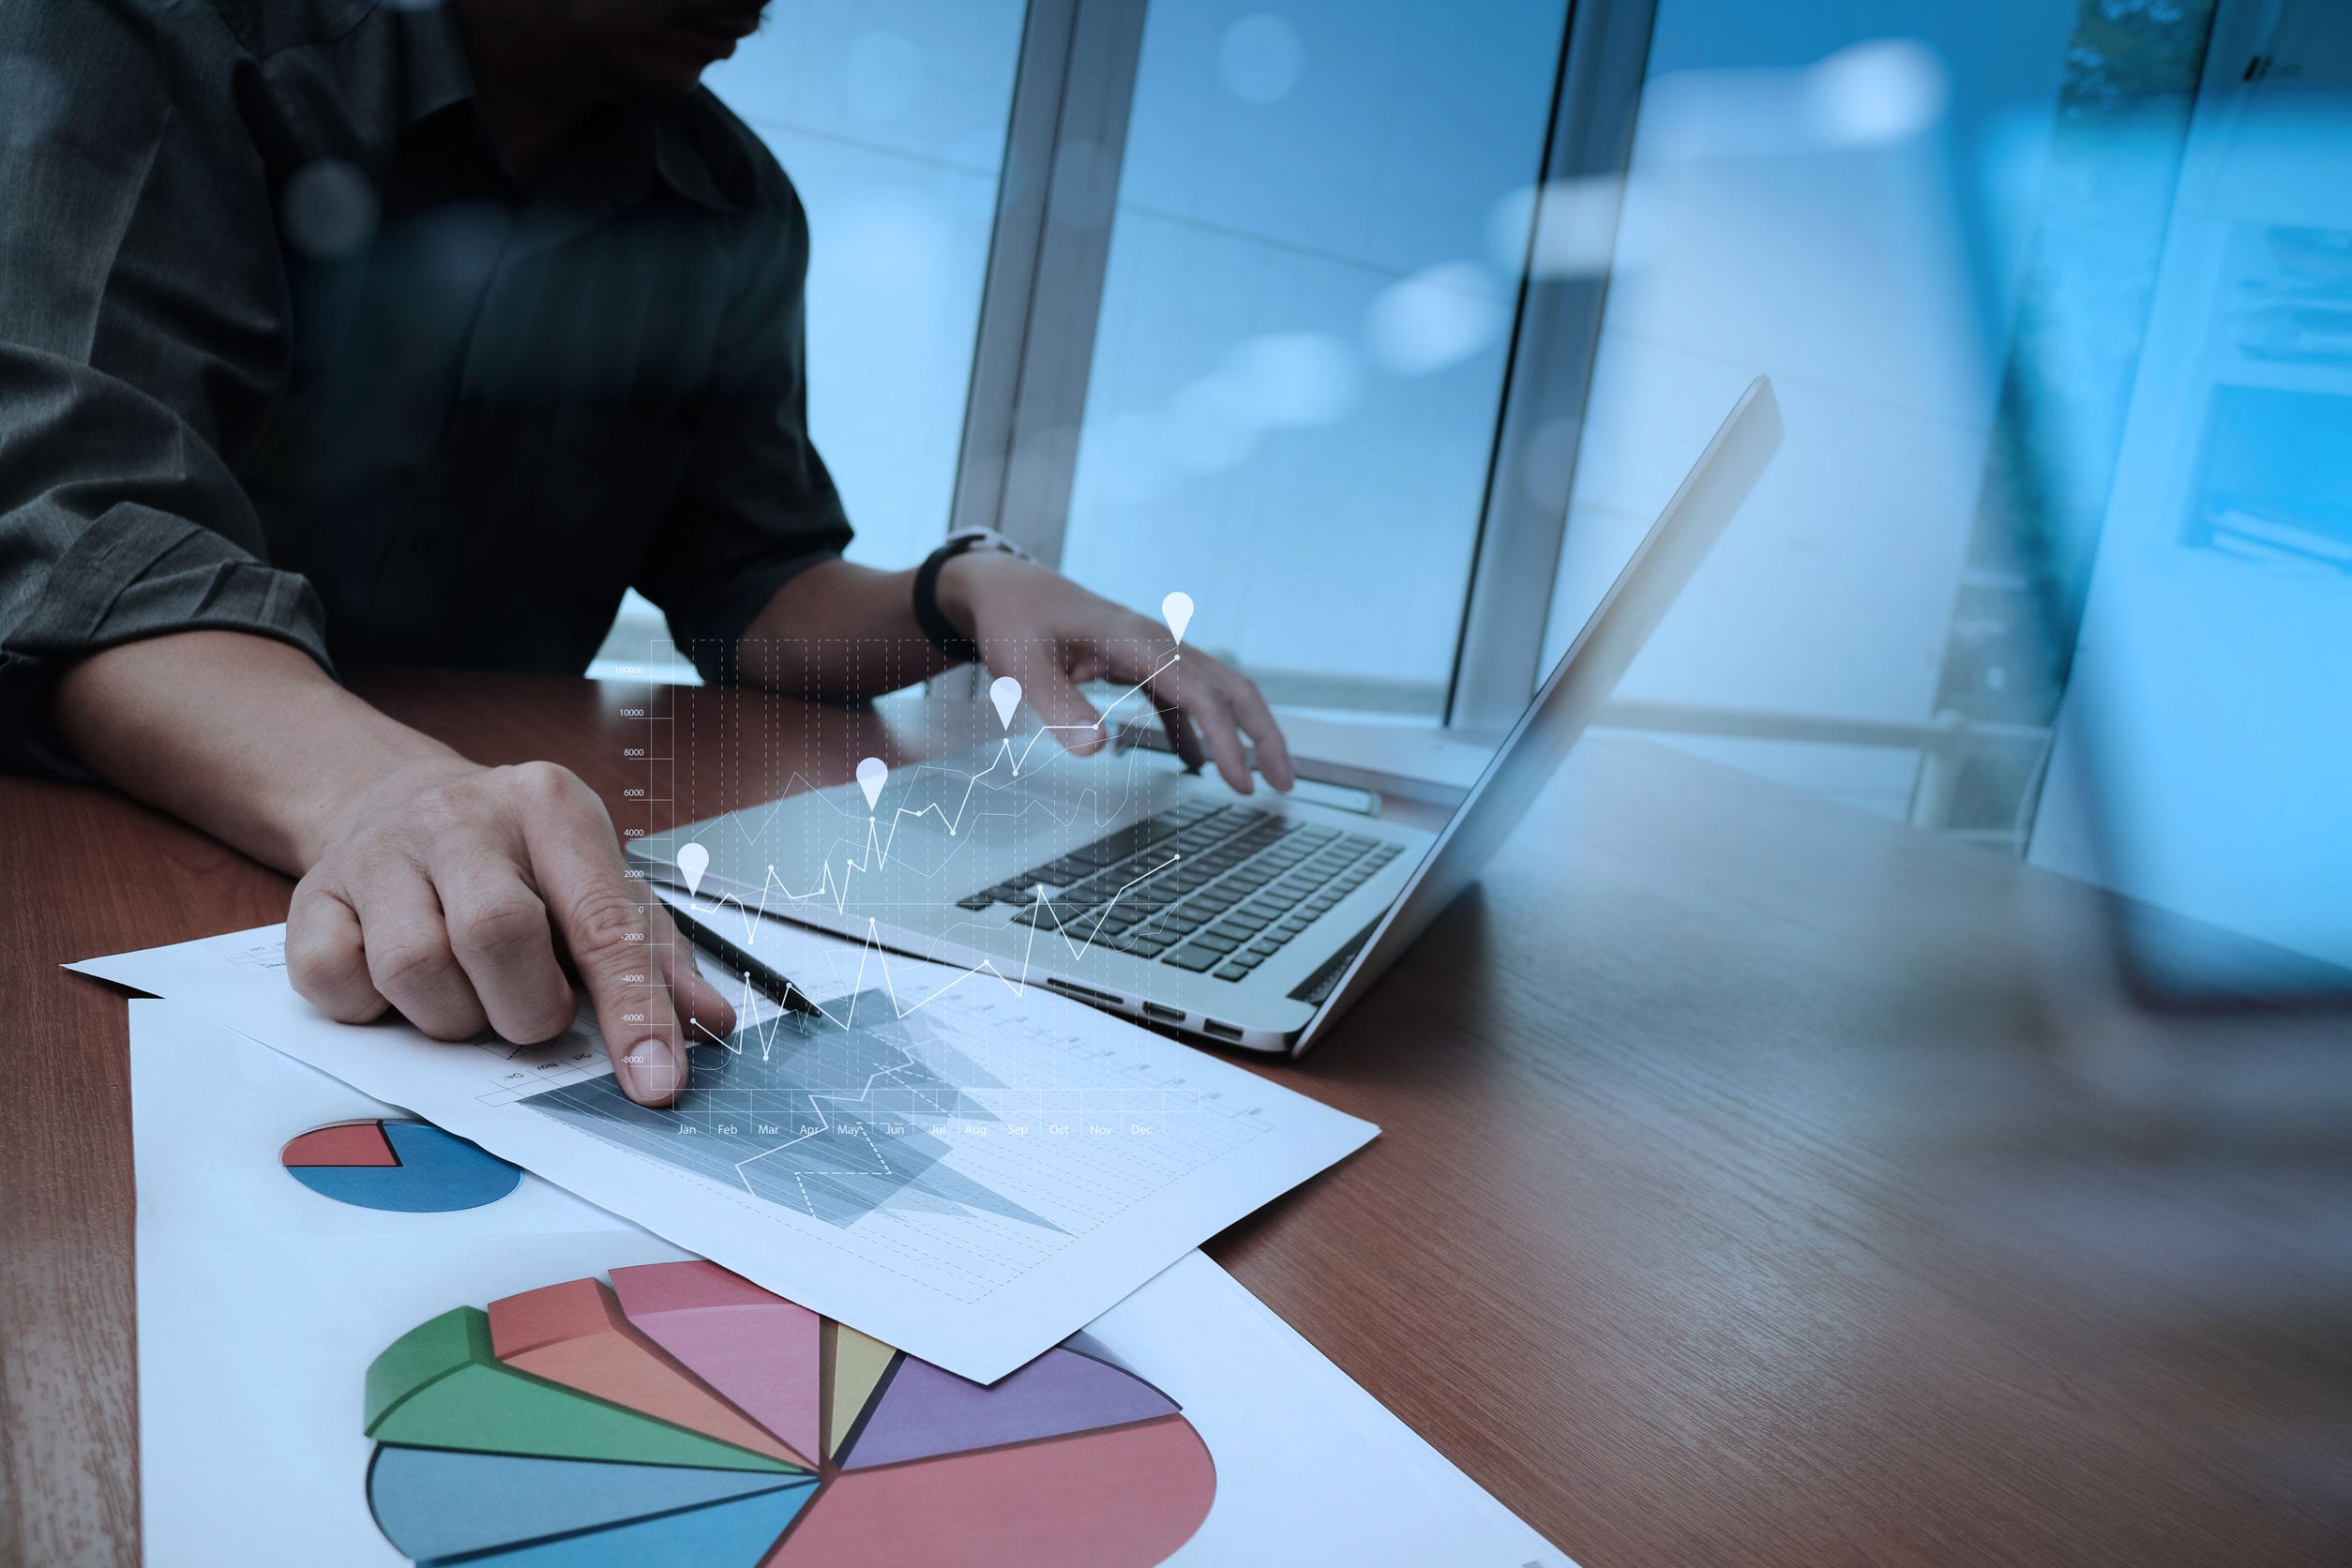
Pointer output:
x,y
1762,1184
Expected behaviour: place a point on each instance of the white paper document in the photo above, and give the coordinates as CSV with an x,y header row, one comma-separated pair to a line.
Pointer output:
x,y
963,1169
262,1303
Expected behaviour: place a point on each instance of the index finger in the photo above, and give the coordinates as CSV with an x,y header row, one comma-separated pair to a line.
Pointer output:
x,y
1257,722
1196,695
1181,740
596,907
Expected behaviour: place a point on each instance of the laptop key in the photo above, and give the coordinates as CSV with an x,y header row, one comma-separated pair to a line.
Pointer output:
x,y
976,901
1194,958
1234,971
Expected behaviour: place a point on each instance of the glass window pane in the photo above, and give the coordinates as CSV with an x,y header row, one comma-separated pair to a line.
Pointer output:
x,y
890,117
1902,211
1305,328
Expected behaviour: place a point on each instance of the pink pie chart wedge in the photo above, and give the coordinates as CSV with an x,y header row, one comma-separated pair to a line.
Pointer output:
x,y
754,1347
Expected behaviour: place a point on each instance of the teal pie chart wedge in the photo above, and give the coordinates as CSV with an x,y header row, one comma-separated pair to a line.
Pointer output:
x,y
405,1166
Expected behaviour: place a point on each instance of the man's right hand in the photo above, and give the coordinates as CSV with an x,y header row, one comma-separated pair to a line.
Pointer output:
x,y
451,892
430,883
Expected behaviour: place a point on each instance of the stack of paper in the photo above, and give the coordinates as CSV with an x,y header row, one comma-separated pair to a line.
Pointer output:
x,y
423,1355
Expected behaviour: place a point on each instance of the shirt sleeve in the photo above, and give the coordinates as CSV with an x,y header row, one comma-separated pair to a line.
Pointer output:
x,y
142,308
756,506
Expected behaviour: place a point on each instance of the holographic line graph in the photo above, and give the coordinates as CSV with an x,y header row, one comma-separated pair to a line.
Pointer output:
x,y
875,851
751,826
871,949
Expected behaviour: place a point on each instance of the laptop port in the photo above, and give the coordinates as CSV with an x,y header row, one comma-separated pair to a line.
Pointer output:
x,y
1222,1031
1164,1013
1085,993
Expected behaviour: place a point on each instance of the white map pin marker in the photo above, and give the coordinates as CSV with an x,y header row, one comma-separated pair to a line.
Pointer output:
x,y
1177,611
693,860
1006,692
870,774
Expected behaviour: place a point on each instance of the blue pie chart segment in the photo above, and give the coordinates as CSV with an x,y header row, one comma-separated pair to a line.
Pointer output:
x,y
406,1166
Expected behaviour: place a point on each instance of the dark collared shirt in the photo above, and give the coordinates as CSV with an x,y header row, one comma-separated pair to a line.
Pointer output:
x,y
285,350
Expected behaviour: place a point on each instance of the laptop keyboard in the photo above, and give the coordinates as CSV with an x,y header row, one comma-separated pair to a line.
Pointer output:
x,y
1212,889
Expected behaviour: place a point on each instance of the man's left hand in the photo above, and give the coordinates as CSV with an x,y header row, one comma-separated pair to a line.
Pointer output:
x,y
1051,635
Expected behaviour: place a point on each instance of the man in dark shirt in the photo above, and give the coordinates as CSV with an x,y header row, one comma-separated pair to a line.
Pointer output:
x,y
419,332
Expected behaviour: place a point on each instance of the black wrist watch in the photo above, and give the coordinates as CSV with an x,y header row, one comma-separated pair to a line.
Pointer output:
x,y
941,631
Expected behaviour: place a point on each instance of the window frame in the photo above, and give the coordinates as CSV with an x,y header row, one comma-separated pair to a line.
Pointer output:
x,y
1042,296
1555,339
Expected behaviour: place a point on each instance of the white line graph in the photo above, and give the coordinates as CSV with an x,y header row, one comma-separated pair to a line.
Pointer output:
x,y
872,951
751,826
873,853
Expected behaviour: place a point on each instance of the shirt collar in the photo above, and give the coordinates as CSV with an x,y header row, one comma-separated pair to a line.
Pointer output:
x,y
682,163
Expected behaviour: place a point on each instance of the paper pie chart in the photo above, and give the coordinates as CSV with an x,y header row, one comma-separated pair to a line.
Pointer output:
x,y
681,1415
406,1166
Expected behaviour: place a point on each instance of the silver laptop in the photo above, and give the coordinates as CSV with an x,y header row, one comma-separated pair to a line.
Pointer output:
x,y
1127,883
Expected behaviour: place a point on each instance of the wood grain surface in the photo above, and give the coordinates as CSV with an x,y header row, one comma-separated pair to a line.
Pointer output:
x,y
1761,1183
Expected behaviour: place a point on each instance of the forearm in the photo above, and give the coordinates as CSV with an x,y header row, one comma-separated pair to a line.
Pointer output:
x,y
842,632
240,735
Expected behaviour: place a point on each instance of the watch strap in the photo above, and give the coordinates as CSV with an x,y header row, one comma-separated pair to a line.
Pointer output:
x,y
938,629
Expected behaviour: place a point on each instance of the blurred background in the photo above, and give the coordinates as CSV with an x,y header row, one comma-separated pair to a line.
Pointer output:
x,y
1384,328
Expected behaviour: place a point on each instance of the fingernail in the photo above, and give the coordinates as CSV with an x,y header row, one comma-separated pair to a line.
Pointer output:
x,y
649,1073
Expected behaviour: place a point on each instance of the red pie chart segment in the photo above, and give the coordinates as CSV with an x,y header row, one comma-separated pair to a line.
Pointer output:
x,y
1122,1499
345,1143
